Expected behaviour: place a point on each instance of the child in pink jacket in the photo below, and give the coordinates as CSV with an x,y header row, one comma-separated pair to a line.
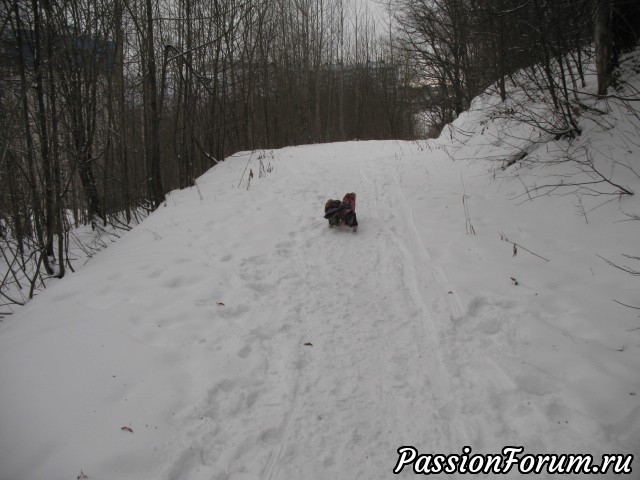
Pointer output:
x,y
348,208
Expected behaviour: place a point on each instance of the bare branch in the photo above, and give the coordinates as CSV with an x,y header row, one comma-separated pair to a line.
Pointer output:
x,y
624,268
504,238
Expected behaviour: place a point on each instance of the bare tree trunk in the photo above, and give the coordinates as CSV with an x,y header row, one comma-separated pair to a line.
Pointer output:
x,y
58,212
25,84
121,124
501,51
43,130
604,43
153,102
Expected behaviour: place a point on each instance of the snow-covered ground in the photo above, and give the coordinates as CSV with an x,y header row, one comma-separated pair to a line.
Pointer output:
x,y
232,335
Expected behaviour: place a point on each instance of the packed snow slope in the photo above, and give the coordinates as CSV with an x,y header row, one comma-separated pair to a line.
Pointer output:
x,y
233,335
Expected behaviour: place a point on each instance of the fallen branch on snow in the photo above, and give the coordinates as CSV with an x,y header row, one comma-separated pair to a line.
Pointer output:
x,y
504,238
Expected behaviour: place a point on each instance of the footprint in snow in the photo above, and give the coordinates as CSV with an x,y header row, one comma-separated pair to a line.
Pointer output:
x,y
245,351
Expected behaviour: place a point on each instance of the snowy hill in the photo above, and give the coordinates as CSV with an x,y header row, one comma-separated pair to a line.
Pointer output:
x,y
232,335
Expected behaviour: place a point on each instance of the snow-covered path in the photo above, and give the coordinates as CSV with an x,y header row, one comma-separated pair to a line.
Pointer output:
x,y
341,335
238,337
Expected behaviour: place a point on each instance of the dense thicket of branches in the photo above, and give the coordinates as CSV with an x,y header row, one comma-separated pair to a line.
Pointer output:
x,y
464,46
106,105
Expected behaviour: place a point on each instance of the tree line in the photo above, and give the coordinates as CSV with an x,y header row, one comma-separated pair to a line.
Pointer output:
x,y
463,47
106,105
